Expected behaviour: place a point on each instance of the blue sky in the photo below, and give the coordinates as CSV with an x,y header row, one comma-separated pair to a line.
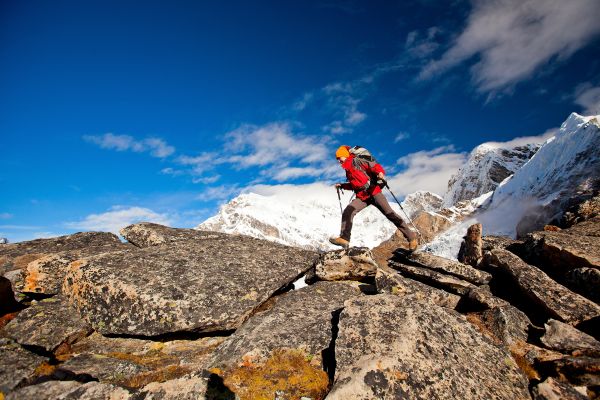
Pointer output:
x,y
114,112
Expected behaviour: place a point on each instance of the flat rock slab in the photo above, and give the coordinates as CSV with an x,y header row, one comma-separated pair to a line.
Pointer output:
x,y
387,349
46,274
356,263
498,242
429,276
147,234
17,365
290,341
551,389
566,339
18,255
201,285
483,298
563,252
450,267
70,390
555,299
190,387
47,324
133,363
390,281
591,227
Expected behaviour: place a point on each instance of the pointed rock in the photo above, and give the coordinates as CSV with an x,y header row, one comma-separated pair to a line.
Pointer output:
x,y
437,279
471,248
291,342
551,389
148,234
390,281
205,285
388,349
47,324
356,263
566,339
18,255
553,298
451,267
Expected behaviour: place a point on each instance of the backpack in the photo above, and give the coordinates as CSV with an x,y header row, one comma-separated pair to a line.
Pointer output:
x,y
362,156
362,153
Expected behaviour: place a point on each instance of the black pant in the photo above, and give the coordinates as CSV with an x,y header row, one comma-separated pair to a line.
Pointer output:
x,y
382,205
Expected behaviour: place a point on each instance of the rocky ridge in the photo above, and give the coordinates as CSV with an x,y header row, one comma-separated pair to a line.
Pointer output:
x,y
183,314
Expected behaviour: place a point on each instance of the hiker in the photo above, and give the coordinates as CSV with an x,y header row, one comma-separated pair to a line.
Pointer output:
x,y
362,175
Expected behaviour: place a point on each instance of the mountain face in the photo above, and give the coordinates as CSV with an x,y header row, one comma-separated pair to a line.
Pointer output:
x,y
487,166
309,222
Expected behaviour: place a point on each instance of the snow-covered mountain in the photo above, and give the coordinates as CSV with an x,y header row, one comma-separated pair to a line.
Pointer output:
x,y
307,215
487,166
566,164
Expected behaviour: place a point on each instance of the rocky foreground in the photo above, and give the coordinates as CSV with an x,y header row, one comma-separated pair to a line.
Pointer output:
x,y
186,314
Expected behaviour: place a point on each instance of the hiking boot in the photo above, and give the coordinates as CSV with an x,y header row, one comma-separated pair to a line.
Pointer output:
x,y
338,241
412,245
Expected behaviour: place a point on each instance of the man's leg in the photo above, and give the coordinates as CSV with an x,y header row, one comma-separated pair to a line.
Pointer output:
x,y
382,204
348,215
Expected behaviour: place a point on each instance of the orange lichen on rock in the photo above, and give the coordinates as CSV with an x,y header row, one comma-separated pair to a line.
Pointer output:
x,y
45,369
6,318
161,375
552,228
287,371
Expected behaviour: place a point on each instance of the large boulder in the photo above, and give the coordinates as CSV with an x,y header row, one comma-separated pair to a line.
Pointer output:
x,y
548,295
390,281
46,274
196,285
18,255
47,324
148,234
287,348
356,263
388,349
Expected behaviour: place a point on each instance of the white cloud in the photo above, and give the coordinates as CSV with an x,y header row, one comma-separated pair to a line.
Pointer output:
x,y
421,46
524,140
401,136
207,179
155,146
222,192
118,217
511,39
588,97
427,170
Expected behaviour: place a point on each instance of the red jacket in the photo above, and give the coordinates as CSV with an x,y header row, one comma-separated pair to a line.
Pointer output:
x,y
358,179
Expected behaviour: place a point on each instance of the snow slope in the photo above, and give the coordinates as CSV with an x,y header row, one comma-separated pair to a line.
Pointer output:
x,y
564,164
306,216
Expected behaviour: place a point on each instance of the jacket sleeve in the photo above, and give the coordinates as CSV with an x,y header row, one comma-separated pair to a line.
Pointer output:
x,y
376,168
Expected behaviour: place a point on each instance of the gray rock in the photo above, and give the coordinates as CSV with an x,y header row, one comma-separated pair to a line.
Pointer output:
x,y
134,363
590,227
471,251
553,298
450,267
389,281
498,242
148,234
16,279
17,365
47,324
18,255
46,274
551,389
507,323
355,263
196,285
69,390
189,387
579,371
447,282
566,339
290,340
388,349
585,281
482,297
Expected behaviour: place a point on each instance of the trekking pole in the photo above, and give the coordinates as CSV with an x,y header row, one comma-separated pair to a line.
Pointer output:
x,y
339,199
402,208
